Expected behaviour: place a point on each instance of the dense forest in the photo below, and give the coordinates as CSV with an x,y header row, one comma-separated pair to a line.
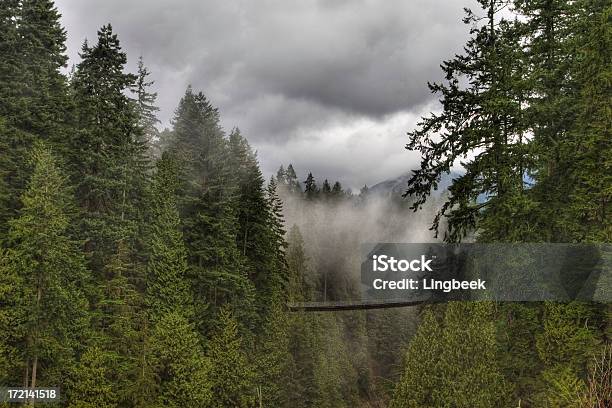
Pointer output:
x,y
142,267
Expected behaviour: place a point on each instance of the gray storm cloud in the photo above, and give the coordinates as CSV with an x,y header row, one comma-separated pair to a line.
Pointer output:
x,y
299,77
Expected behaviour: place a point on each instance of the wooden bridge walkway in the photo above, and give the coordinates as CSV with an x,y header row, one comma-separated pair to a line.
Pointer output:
x,y
350,305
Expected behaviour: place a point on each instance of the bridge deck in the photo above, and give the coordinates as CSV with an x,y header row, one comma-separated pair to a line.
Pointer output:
x,y
349,305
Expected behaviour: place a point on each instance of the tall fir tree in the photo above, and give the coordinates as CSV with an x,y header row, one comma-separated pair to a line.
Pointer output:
x,y
587,216
547,30
232,376
182,372
292,180
311,191
167,284
34,103
481,115
51,270
107,154
258,234
453,363
208,190
147,111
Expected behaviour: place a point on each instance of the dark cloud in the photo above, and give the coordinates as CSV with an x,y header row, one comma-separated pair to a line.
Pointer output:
x,y
286,69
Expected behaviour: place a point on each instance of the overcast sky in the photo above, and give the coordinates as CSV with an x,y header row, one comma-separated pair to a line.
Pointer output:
x,y
331,86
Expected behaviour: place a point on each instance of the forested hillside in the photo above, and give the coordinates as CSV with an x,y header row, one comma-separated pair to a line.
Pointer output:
x,y
526,109
142,267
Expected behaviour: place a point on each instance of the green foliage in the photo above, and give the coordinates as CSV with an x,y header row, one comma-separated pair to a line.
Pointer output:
x,y
51,274
418,382
167,286
208,191
177,360
259,232
92,384
481,117
453,363
274,363
147,110
107,155
311,191
232,376
33,97
182,303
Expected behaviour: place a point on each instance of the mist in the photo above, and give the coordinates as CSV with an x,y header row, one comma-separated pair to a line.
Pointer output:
x,y
333,231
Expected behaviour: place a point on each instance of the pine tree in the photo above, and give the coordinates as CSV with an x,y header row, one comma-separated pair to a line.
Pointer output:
x,y
587,216
276,225
183,373
292,180
311,191
326,190
299,289
281,176
167,285
567,341
108,159
52,274
33,97
208,205
147,110
453,364
337,192
173,371
419,381
91,384
333,373
44,50
481,114
548,30
274,364
260,234
231,375
119,320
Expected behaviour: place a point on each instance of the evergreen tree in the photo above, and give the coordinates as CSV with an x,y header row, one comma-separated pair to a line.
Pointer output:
x,y
231,375
418,383
587,216
567,341
481,114
255,239
326,190
333,372
52,274
33,97
180,368
299,289
118,321
279,279
108,157
311,191
208,191
455,364
337,192
281,176
167,286
547,28
292,180
274,361
147,110
92,384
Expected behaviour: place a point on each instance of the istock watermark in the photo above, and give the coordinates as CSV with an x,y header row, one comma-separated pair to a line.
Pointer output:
x,y
504,272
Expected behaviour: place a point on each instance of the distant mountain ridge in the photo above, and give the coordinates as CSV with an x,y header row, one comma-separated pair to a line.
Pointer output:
x,y
398,185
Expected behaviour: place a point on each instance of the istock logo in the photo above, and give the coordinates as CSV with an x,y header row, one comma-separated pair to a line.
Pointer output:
x,y
383,263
